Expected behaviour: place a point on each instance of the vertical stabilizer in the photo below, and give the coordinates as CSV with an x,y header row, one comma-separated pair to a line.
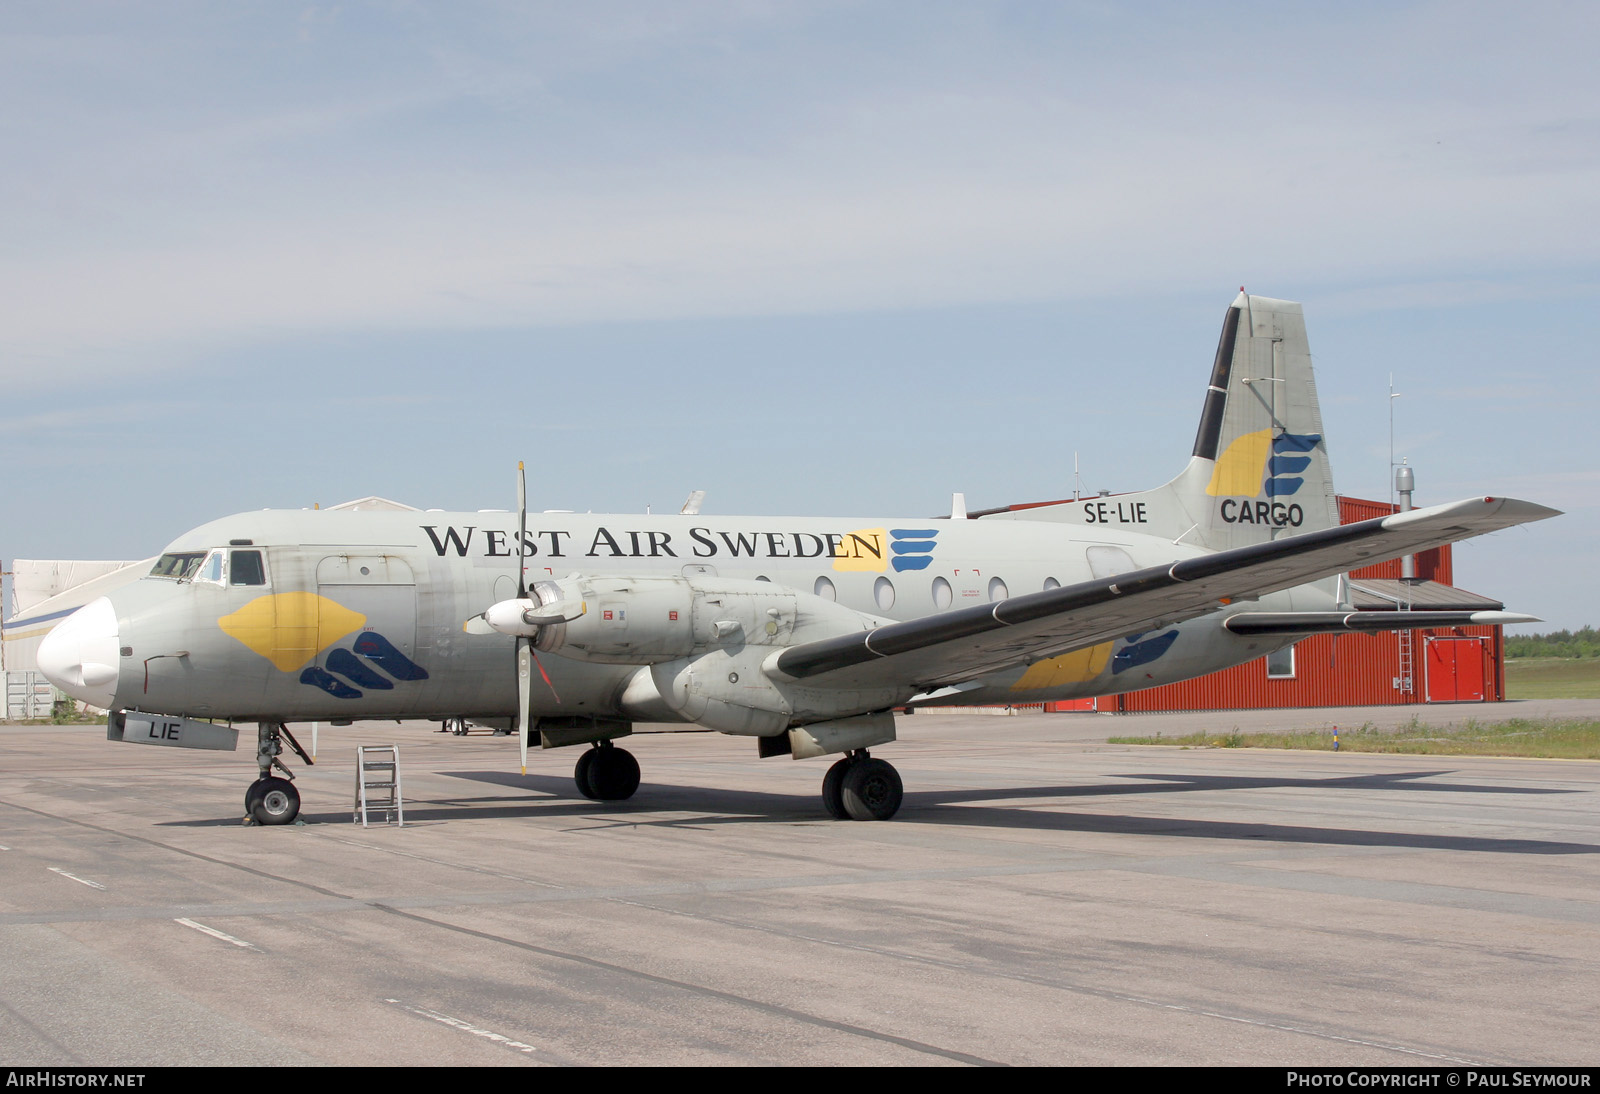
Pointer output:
x,y
1259,468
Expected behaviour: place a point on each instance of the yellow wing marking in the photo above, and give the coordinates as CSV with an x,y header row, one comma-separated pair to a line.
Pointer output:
x,y
1069,668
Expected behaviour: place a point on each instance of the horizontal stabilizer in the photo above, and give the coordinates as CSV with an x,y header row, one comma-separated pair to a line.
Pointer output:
x,y
1291,623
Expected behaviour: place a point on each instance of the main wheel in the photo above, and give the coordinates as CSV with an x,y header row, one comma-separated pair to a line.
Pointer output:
x,y
872,790
278,803
580,774
613,774
833,789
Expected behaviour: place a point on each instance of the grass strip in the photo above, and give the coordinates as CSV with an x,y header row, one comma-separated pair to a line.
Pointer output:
x,y
1548,738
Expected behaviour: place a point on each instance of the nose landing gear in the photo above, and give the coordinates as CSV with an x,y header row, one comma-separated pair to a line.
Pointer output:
x,y
271,800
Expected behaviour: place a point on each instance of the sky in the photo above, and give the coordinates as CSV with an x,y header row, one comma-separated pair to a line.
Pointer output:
x,y
824,258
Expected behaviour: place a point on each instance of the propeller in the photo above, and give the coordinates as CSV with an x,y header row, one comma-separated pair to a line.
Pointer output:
x,y
524,643
523,618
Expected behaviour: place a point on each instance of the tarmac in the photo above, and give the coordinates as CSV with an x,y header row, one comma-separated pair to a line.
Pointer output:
x,y
1042,897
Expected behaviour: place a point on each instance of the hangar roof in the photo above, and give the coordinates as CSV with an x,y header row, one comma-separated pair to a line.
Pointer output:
x,y
1382,594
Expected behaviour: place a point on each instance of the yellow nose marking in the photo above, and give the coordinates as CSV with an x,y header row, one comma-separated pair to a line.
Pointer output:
x,y
290,629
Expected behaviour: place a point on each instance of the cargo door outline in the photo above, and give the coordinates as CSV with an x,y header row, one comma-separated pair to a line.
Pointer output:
x,y
379,658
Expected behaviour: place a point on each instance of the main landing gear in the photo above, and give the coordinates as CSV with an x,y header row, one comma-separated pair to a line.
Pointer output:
x,y
606,773
271,800
861,788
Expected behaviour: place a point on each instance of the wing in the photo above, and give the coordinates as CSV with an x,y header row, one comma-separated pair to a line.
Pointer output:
x,y
952,647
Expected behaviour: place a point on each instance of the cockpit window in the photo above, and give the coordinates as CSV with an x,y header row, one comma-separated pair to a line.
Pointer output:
x,y
211,569
246,569
181,566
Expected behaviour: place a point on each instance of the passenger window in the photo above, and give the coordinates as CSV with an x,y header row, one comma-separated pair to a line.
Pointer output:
x,y
246,568
824,588
883,593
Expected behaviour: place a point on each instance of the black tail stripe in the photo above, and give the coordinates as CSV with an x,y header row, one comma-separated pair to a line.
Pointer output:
x,y
1205,442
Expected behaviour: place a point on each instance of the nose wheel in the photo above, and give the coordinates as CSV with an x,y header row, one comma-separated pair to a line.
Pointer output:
x,y
861,788
271,800
607,773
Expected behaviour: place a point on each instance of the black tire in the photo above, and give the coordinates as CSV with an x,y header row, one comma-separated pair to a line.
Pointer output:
x,y
279,802
252,796
833,789
872,790
613,774
580,774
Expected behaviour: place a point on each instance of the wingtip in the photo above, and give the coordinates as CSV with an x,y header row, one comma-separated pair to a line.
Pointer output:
x,y
1504,619
1499,511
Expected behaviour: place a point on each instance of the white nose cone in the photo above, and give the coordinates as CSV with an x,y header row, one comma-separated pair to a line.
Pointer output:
x,y
81,655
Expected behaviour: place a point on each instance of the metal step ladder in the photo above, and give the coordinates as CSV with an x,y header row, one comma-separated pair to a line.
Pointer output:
x,y
378,784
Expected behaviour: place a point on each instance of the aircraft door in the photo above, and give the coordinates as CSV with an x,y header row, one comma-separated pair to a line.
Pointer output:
x,y
379,655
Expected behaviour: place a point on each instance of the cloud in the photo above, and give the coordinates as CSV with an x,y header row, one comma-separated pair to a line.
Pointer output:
x,y
509,167
1566,490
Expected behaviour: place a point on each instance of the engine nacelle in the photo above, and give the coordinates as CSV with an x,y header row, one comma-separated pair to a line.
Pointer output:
x,y
622,621
707,646
648,620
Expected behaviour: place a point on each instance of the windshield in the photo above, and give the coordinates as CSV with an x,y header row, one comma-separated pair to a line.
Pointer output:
x,y
181,566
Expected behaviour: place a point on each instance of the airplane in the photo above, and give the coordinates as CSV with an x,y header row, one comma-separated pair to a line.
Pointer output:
x,y
804,633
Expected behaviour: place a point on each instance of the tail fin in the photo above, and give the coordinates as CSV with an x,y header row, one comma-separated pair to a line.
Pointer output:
x,y
1260,463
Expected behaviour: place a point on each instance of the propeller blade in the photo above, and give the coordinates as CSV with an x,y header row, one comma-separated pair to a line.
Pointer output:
x,y
524,695
522,531
562,611
478,625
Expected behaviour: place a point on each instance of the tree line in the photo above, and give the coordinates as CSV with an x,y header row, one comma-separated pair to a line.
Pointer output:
x,y
1579,643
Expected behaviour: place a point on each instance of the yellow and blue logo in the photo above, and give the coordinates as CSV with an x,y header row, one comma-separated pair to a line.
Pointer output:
x,y
1258,464
289,629
864,549
912,547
